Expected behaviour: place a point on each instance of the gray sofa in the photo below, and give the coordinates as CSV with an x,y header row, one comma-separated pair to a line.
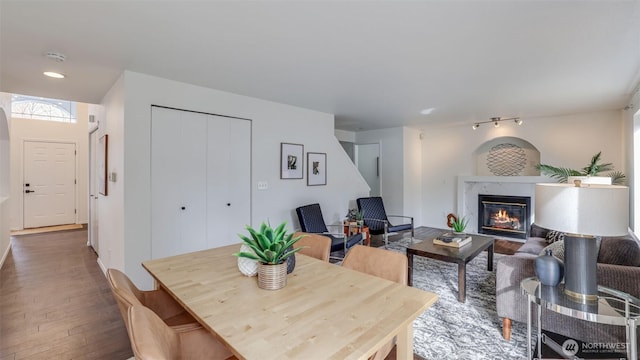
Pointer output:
x,y
618,268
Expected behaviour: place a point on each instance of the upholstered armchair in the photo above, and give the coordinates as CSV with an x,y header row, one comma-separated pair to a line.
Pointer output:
x,y
314,245
127,295
152,339
382,263
311,221
377,219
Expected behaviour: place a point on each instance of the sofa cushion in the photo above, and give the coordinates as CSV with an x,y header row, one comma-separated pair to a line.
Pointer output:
x,y
623,250
533,245
557,248
553,236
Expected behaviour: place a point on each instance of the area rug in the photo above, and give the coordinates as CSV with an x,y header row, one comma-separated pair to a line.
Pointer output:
x,y
454,330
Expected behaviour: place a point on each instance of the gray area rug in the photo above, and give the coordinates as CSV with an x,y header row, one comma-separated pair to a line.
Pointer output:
x,y
454,330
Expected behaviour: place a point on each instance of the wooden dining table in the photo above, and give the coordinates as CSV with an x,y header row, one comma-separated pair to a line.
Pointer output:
x,y
324,312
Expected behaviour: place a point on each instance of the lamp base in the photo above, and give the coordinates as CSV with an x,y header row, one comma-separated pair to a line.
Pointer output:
x,y
580,264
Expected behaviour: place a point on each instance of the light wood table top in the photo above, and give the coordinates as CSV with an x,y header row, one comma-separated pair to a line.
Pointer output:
x,y
324,312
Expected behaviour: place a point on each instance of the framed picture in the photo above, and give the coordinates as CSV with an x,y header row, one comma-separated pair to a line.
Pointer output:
x,y
291,161
102,156
316,169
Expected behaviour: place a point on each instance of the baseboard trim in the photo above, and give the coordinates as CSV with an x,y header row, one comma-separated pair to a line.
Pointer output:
x,y
102,267
4,256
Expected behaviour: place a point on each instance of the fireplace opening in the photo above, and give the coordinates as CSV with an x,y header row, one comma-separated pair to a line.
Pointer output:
x,y
504,215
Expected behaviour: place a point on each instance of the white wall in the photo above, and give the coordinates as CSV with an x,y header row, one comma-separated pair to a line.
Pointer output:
x,y
111,212
128,122
566,141
412,182
5,171
39,130
391,165
631,119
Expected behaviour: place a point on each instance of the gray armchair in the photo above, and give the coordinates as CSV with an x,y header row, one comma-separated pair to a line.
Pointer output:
x,y
618,268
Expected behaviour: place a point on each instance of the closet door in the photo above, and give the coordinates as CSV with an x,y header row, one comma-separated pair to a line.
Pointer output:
x,y
178,182
228,179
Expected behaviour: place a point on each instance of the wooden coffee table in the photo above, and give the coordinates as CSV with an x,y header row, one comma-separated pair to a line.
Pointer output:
x,y
460,256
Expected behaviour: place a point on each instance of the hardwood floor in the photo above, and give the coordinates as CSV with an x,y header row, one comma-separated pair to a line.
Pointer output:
x,y
55,302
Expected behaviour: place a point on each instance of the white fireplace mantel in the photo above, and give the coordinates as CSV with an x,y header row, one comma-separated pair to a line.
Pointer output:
x,y
470,186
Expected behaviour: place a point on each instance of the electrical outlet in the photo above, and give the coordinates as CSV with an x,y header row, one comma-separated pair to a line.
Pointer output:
x,y
263,185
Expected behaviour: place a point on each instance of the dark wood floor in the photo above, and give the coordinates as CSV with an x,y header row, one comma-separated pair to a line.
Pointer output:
x,y
55,302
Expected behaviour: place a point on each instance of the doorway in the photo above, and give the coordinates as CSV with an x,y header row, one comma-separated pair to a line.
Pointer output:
x,y
367,159
49,181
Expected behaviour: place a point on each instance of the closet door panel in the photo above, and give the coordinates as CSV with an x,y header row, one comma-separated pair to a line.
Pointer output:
x,y
178,182
228,179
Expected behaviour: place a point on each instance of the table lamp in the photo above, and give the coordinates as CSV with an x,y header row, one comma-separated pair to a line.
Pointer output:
x,y
582,211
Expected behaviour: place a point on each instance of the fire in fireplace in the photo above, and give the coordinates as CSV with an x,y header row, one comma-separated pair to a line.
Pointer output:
x,y
504,215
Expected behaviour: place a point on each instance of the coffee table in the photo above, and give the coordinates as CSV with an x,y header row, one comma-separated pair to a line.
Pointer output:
x,y
460,256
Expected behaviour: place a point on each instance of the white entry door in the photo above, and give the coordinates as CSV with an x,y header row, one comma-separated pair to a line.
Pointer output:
x,y
49,183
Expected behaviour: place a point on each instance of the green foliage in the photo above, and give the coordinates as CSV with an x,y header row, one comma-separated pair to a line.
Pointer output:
x,y
354,215
459,224
593,169
269,245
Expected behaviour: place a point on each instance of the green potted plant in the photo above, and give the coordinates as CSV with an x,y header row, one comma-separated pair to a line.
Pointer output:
x,y
360,218
594,168
271,248
459,224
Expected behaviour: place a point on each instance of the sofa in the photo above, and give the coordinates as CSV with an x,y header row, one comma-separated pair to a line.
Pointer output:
x,y
618,268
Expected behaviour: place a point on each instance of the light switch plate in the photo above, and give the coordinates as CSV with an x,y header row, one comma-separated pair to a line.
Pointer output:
x,y
263,185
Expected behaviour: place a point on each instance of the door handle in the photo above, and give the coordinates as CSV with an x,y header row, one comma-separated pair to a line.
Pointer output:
x,y
29,191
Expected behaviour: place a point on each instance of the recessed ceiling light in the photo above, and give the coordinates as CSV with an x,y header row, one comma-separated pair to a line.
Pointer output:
x,y
54,74
427,111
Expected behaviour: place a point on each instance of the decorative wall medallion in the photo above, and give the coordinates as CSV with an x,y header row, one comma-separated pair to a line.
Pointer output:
x,y
506,160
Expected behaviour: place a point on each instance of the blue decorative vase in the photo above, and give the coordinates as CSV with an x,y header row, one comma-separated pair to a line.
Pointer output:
x,y
549,269
291,261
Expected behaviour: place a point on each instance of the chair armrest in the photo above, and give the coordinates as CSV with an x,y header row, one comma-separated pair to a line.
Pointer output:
x,y
510,271
378,220
618,277
401,216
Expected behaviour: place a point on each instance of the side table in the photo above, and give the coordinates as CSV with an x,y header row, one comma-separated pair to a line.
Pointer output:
x,y
350,229
613,307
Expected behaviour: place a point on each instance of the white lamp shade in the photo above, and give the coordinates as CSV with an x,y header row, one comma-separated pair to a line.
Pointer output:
x,y
598,210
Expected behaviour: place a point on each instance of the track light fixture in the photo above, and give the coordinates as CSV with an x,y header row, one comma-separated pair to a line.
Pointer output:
x,y
496,122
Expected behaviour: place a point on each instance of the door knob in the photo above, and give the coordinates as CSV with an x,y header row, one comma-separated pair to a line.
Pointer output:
x,y
29,191
228,204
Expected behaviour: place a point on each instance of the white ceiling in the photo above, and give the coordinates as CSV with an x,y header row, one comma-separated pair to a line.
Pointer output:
x,y
373,64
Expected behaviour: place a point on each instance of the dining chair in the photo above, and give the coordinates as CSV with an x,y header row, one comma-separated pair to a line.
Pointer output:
x,y
314,245
377,219
311,221
382,263
152,339
159,301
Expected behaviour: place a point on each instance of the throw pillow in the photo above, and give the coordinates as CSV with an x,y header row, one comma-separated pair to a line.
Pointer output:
x,y
553,236
557,249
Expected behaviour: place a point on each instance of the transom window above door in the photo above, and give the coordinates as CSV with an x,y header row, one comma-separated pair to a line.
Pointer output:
x,y
39,108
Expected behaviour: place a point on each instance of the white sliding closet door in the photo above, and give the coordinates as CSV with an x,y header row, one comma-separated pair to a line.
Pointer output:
x,y
200,180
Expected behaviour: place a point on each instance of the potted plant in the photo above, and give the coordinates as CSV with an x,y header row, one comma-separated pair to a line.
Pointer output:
x,y
458,224
594,168
360,218
271,248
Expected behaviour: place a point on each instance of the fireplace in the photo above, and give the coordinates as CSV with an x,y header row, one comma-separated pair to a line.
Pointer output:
x,y
506,216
